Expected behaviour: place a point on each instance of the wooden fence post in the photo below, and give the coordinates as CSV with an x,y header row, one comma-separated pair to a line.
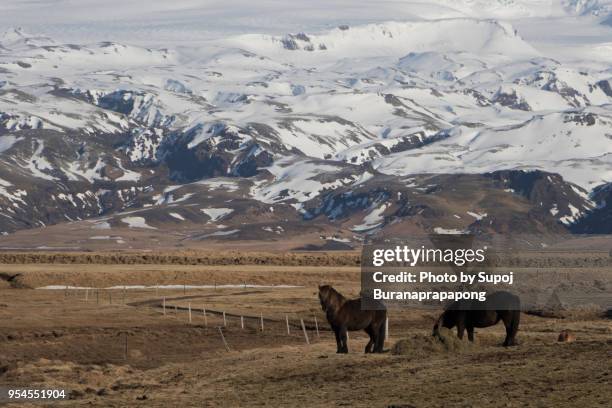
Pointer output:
x,y
387,328
262,325
189,305
125,351
224,320
287,321
304,330
223,338
317,326
242,322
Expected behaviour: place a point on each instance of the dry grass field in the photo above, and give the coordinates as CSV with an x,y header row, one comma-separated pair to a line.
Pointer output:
x,y
116,348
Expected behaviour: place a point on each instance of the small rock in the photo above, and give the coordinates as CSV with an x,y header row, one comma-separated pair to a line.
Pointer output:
x,y
566,336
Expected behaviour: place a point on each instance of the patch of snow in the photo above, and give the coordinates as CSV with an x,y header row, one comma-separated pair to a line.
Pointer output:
x,y
449,231
220,233
101,225
7,141
170,287
216,214
373,219
478,216
554,210
136,222
570,219
177,216
220,184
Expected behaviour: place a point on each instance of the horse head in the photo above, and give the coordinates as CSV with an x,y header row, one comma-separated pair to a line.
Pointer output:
x,y
324,291
330,299
446,320
436,328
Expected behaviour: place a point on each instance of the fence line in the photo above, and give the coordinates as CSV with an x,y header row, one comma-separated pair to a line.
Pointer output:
x,y
162,303
313,325
224,315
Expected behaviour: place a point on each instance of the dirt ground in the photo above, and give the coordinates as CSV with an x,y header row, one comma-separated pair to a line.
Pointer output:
x,y
116,348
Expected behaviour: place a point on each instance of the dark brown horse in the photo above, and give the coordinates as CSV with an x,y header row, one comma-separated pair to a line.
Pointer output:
x,y
346,315
467,315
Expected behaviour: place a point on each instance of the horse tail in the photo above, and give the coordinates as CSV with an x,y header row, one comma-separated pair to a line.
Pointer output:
x,y
516,319
382,331
513,326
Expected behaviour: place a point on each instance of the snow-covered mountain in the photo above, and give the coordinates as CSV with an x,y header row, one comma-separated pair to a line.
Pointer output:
x,y
356,127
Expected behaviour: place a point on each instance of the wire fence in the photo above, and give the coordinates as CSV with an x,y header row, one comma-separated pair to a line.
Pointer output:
x,y
224,330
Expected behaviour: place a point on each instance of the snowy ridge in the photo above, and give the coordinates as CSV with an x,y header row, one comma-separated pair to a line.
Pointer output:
x,y
301,120
394,38
580,142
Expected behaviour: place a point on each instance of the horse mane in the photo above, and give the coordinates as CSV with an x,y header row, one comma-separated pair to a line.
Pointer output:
x,y
331,298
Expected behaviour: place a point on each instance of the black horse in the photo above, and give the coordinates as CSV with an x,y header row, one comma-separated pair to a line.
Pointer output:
x,y
346,315
466,314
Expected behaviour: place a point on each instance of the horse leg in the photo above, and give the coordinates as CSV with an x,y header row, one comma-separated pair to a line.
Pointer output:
x,y
380,338
470,331
511,322
338,340
460,330
508,340
343,340
370,331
